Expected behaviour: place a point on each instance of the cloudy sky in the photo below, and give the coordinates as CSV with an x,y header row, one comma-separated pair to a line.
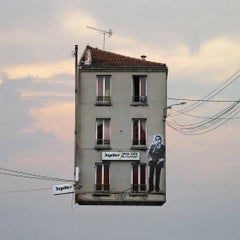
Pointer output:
x,y
200,43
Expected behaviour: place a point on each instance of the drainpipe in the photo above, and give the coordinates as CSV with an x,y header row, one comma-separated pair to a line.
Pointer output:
x,y
76,169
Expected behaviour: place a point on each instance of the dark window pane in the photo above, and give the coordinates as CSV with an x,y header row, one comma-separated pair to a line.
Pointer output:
x,y
135,132
107,130
143,177
143,133
136,88
106,177
99,131
98,177
135,177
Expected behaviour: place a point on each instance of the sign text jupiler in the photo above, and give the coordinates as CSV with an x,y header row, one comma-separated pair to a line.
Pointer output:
x,y
63,188
120,156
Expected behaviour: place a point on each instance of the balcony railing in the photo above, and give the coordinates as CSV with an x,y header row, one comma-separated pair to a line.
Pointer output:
x,y
139,99
139,142
139,187
103,99
102,187
102,142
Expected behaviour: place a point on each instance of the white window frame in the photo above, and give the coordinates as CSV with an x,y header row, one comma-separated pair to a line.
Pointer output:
x,y
139,131
104,100
139,185
142,99
103,166
103,132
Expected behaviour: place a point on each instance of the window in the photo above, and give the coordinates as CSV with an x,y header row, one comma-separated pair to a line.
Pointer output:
x,y
103,132
103,89
139,132
138,177
102,177
139,89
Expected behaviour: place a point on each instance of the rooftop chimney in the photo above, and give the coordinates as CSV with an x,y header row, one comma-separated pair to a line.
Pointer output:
x,y
143,57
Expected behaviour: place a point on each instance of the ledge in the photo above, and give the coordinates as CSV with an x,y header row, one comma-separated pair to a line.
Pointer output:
x,y
138,194
139,148
137,104
107,104
102,147
101,194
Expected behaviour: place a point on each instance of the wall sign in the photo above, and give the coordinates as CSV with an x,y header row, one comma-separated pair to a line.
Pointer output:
x,y
121,156
63,189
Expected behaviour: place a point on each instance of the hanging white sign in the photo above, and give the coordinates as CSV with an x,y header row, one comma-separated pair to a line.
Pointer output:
x,y
120,156
63,189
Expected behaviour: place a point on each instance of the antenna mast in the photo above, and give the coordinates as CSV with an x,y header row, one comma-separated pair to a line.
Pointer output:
x,y
104,32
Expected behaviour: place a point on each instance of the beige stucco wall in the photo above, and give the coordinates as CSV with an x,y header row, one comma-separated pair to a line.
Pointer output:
x,y
121,113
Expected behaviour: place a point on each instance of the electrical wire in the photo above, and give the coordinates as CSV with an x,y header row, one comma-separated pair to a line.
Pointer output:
x,y
197,133
216,117
197,116
208,124
203,100
207,98
14,173
26,190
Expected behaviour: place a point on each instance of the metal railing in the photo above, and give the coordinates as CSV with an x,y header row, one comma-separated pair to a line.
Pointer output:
x,y
103,99
102,142
102,187
139,142
139,187
139,99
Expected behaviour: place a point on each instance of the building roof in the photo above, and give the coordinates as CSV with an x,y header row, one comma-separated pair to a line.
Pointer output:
x,y
94,58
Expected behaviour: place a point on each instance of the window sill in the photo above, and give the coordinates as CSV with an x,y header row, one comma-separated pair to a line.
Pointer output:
x,y
102,194
136,104
138,194
108,104
103,147
142,147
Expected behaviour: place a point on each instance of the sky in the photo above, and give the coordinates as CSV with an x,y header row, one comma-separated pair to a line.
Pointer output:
x,y
200,43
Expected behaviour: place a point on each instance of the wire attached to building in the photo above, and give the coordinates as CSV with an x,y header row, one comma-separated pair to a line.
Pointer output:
x,y
15,173
27,190
204,100
208,97
208,123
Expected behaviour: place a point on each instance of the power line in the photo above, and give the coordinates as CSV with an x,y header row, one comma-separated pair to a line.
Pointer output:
x,y
15,173
204,100
209,124
26,190
218,116
234,77
197,116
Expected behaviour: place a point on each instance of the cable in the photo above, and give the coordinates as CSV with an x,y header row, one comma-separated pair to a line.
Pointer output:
x,y
198,133
218,116
209,124
202,100
214,118
197,116
26,190
15,173
213,93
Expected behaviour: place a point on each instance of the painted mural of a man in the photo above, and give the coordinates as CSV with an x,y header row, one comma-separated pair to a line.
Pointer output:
x,y
156,156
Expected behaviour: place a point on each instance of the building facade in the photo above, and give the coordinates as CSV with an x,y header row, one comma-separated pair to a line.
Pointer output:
x,y
120,154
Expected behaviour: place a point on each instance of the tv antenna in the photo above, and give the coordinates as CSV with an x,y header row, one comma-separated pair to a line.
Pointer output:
x,y
104,32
